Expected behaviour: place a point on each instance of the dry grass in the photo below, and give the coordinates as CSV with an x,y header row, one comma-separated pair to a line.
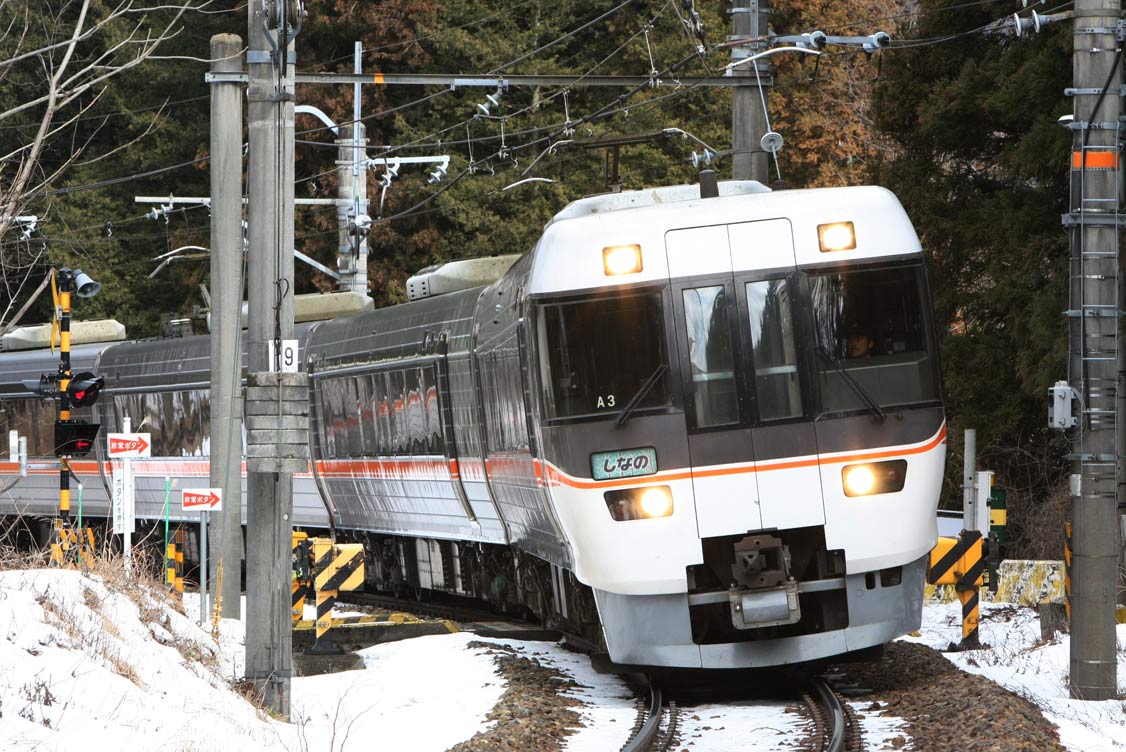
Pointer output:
x,y
143,587
117,664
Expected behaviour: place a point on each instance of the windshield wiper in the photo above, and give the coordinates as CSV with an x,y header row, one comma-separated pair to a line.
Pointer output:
x,y
860,391
623,416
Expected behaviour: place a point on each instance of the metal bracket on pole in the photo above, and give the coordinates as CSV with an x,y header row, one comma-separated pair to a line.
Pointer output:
x,y
1083,125
262,57
1097,30
1088,218
1092,313
1071,92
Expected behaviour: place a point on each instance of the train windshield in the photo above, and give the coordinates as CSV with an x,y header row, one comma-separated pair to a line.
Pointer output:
x,y
875,343
597,355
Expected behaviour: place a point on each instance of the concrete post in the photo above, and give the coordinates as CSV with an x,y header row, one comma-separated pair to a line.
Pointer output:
x,y
748,119
226,305
1093,317
351,257
270,95
969,478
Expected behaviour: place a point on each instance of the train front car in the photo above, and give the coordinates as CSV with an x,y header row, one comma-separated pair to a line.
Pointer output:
x,y
740,420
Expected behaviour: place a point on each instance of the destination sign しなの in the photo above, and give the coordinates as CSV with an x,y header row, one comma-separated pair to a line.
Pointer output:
x,y
623,463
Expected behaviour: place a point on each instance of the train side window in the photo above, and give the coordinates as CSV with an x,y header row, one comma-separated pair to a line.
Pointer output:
x,y
416,422
775,356
433,411
363,409
398,402
328,417
382,414
352,413
713,389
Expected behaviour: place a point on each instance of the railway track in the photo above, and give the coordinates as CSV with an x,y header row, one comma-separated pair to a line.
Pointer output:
x,y
834,726
656,727
432,609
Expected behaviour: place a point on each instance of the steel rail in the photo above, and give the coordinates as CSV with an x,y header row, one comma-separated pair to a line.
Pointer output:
x,y
647,734
835,737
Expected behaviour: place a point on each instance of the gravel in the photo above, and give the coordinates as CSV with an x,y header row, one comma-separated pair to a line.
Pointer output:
x,y
946,709
943,708
533,714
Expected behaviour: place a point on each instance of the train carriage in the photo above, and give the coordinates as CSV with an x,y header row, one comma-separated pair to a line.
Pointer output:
x,y
710,427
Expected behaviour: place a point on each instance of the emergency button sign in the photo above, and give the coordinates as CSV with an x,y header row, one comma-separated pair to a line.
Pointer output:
x,y
202,499
121,445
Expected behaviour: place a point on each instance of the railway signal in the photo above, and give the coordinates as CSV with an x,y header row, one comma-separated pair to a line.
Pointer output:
x,y
84,388
73,437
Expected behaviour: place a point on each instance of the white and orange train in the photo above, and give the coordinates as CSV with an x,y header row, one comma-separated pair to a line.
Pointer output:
x,y
701,431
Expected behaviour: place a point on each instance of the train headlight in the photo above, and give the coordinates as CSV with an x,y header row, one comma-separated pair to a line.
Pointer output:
x,y
621,259
837,236
656,502
874,478
639,503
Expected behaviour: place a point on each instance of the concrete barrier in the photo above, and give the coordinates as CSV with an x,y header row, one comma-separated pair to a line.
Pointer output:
x,y
1026,582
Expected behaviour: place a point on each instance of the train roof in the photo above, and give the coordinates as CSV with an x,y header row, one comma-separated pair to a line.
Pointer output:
x,y
184,361
569,255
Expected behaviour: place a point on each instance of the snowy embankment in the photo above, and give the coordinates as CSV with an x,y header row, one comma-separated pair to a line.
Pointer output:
x,y
87,661
1018,659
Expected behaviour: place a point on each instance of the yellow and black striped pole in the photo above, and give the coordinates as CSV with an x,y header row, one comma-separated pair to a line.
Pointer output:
x,y
170,566
959,562
62,549
1067,569
179,582
65,284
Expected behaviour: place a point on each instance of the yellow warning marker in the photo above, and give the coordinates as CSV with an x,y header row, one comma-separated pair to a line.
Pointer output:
x,y
335,567
959,562
71,547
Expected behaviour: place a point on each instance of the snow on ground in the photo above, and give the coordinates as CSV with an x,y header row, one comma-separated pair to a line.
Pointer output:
x,y
88,663
880,731
1020,661
740,726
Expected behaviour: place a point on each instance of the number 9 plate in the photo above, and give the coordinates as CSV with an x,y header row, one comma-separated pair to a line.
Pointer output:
x,y
624,463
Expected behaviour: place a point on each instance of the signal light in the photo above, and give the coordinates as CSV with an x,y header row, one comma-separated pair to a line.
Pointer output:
x,y
84,389
74,438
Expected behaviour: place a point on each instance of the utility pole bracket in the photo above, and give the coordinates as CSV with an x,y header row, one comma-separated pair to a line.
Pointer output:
x,y
266,57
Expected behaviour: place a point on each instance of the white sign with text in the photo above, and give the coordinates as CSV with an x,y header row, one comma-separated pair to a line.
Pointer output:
x,y
202,499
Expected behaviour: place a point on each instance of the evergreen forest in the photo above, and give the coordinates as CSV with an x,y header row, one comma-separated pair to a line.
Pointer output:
x,y
958,117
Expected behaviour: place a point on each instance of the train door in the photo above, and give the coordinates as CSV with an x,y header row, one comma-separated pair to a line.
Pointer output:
x,y
752,447
720,448
773,333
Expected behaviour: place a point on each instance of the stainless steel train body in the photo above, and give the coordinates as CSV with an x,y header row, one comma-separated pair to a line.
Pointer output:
x,y
714,415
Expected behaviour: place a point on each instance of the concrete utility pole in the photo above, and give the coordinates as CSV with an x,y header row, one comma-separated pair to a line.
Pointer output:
x,y
270,96
748,118
969,474
1094,318
226,306
352,243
